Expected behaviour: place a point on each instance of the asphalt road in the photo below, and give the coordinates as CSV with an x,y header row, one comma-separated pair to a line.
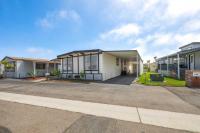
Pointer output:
x,y
21,118
135,95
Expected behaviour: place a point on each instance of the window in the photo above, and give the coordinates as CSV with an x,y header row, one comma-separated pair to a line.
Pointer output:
x,y
94,62
125,62
70,64
87,62
91,62
40,66
64,64
10,67
117,61
191,58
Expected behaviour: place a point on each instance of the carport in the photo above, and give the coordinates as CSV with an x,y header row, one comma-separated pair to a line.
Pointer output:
x,y
131,66
131,62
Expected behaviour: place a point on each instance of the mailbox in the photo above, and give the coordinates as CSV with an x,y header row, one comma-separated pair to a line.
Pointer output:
x,y
192,78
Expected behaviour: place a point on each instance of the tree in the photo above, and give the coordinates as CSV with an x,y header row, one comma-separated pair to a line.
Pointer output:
x,y
7,64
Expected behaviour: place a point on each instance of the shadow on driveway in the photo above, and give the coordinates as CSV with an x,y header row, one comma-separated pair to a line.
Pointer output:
x,y
122,80
4,130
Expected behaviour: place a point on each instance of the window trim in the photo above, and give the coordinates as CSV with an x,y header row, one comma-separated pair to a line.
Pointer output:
x,y
40,64
90,57
11,69
66,64
71,64
117,61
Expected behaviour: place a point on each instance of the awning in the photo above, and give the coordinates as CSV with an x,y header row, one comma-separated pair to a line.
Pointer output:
x,y
125,54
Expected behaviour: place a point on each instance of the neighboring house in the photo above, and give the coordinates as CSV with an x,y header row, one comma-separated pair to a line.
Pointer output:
x,y
1,68
59,63
150,67
153,66
97,64
22,66
174,65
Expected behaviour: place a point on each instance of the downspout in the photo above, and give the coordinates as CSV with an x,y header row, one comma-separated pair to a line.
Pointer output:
x,y
178,65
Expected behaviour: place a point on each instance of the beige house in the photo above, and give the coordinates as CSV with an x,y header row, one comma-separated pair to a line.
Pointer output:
x,y
1,68
23,66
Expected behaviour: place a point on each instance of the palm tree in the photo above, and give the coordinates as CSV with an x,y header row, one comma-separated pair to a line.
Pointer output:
x,y
7,64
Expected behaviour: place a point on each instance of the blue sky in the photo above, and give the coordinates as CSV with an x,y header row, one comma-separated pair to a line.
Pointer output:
x,y
47,28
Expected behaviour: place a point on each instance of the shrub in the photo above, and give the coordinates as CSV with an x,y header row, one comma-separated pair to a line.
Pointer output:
x,y
1,76
31,74
82,74
55,73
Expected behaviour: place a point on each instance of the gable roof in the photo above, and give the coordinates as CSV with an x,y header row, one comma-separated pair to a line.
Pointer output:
x,y
79,52
29,59
121,53
189,44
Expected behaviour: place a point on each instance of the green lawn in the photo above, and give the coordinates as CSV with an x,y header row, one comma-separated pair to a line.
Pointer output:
x,y
145,79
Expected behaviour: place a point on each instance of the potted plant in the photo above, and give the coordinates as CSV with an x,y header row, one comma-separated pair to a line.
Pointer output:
x,y
55,74
31,75
82,74
1,76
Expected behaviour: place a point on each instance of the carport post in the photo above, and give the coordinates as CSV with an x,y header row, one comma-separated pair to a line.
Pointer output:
x,y
47,67
167,66
54,66
137,66
178,66
160,67
34,68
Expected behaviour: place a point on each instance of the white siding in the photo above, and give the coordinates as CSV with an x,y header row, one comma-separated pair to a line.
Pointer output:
x,y
191,46
81,67
109,68
141,67
100,63
197,60
1,68
23,68
75,64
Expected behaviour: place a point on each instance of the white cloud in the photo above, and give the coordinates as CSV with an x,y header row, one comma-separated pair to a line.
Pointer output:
x,y
183,39
122,32
71,14
153,27
163,44
45,23
52,18
192,25
162,25
162,39
177,8
33,50
149,4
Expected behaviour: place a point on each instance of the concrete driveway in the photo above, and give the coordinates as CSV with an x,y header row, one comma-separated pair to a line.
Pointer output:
x,y
122,80
21,118
126,95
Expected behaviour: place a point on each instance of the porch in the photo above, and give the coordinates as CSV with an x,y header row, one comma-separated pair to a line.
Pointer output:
x,y
39,69
174,65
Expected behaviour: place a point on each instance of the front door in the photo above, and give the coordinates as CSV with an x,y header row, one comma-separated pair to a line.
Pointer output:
x,y
134,68
191,62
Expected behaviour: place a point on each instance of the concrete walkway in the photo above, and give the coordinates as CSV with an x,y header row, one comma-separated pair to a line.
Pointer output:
x,y
182,121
